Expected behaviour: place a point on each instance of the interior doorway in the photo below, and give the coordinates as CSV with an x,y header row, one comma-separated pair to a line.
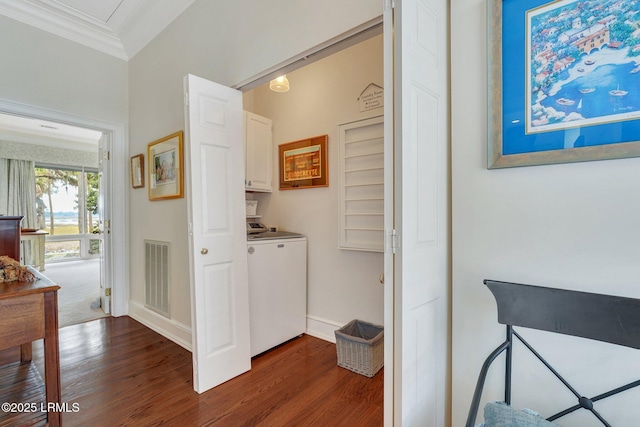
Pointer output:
x,y
344,282
92,268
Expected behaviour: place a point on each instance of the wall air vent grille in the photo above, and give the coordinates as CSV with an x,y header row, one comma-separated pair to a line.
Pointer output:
x,y
156,269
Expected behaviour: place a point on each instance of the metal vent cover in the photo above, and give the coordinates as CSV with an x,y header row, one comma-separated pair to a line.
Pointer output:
x,y
156,267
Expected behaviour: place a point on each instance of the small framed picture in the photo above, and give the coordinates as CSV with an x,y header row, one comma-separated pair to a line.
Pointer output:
x,y
165,159
137,171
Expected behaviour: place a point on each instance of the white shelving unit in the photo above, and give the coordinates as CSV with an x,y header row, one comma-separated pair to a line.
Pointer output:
x,y
362,185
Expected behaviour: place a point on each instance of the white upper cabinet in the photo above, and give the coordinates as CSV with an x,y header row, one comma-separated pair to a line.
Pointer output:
x,y
258,141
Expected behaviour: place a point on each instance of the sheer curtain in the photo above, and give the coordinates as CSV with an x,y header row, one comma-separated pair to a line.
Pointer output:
x,y
18,190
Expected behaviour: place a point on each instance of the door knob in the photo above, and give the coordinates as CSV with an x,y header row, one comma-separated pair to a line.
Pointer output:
x,y
381,278
204,251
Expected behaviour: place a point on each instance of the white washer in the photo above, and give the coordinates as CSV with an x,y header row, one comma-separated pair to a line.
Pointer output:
x,y
277,288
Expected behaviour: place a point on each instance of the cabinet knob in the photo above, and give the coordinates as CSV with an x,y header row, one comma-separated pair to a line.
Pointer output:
x,y
204,251
251,250
381,278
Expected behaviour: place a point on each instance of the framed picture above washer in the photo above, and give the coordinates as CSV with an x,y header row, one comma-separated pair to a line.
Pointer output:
x,y
304,163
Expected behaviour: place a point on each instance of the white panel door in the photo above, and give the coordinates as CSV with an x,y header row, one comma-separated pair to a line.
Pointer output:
x,y
214,147
421,211
104,221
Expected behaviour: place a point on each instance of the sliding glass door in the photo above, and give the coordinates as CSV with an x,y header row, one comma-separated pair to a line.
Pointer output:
x,y
67,209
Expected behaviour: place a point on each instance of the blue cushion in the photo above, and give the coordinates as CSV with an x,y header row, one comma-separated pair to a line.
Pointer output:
x,y
499,414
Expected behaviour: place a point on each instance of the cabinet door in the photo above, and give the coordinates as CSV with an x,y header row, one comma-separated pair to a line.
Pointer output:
x,y
258,151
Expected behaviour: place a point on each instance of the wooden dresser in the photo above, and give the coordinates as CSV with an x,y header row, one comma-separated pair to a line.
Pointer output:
x,y
29,311
10,236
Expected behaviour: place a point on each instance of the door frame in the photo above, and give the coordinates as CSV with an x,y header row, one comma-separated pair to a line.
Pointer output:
x,y
389,400
117,196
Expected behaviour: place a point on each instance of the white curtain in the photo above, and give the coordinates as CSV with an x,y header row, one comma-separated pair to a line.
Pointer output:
x,y
18,190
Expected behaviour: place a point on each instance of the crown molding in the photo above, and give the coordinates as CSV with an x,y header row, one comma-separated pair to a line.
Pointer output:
x,y
134,24
86,30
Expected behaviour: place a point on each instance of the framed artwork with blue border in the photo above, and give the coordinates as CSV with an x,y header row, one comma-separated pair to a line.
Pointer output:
x,y
564,81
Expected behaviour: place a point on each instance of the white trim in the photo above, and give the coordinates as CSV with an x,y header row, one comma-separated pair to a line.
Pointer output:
x,y
88,32
322,328
119,191
181,334
177,332
130,29
355,35
389,218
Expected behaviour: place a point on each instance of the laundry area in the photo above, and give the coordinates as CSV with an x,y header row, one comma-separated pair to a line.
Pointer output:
x,y
314,198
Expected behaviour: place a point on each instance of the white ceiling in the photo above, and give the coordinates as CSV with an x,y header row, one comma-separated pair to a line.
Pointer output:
x,y
41,132
120,28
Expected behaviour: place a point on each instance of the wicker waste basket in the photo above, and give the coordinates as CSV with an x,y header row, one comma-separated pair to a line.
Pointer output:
x,y
360,347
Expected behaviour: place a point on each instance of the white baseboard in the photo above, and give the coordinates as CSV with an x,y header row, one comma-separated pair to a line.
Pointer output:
x,y
181,334
322,328
177,332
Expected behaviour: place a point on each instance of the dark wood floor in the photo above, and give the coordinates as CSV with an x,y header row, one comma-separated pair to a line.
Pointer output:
x,y
115,371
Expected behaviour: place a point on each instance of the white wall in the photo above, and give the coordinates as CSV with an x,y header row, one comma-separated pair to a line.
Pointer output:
x,y
571,226
343,285
43,70
227,42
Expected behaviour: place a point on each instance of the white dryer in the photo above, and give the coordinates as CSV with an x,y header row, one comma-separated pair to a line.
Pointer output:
x,y
277,288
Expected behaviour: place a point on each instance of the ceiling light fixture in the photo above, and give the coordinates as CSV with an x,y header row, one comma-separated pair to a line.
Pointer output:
x,y
280,84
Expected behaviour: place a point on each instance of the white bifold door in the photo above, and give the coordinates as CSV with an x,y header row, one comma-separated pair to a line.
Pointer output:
x,y
416,213
214,148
